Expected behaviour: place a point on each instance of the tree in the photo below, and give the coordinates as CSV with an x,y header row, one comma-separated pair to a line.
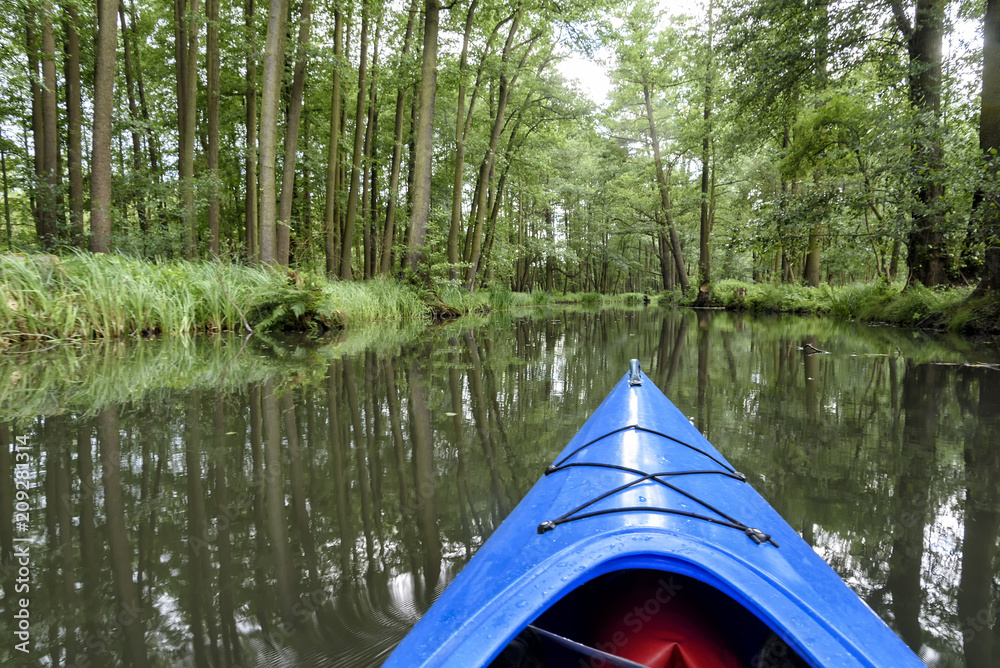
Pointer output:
x,y
274,59
294,119
637,74
134,121
481,199
212,56
186,54
49,199
989,143
100,160
705,227
331,221
462,123
74,116
389,234
420,211
359,139
928,258
250,159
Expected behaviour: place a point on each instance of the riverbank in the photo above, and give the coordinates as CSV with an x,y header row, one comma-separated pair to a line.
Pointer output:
x,y
87,297
45,297
879,302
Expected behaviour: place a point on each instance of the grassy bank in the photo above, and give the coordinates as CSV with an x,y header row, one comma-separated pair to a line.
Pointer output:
x,y
109,296
918,306
83,297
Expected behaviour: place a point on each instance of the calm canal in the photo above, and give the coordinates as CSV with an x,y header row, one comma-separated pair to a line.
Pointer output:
x,y
276,502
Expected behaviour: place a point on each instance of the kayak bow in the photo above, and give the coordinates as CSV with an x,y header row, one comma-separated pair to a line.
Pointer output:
x,y
641,545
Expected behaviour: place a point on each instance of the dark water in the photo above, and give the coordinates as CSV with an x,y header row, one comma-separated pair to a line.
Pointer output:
x,y
231,503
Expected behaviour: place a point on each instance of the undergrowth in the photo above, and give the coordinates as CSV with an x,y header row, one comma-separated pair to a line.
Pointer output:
x,y
108,296
871,302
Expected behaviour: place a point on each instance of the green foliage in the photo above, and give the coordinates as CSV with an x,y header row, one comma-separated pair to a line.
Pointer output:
x,y
459,301
871,302
541,297
810,133
500,297
630,298
110,296
373,300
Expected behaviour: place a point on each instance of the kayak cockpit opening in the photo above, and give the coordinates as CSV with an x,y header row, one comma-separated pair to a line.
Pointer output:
x,y
649,618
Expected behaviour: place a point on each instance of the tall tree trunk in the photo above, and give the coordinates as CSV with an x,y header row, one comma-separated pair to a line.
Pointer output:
x,y
151,138
305,199
133,114
370,190
462,123
250,212
100,160
486,169
389,233
292,137
411,152
661,179
186,53
33,50
212,55
74,134
704,248
810,271
359,138
274,59
331,218
420,213
6,201
989,144
927,256
49,200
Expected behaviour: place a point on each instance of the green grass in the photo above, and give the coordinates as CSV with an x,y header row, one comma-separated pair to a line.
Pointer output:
x,y
456,300
109,296
870,302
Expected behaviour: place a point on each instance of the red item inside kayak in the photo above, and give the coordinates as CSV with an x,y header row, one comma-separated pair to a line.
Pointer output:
x,y
660,626
653,618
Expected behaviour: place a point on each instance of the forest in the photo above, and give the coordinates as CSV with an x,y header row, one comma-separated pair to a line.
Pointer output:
x,y
786,141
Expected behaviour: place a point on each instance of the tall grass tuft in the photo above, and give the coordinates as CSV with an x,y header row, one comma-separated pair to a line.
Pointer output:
x,y
457,300
108,296
501,298
877,301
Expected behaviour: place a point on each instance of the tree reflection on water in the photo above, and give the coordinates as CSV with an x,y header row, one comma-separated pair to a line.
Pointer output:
x,y
282,503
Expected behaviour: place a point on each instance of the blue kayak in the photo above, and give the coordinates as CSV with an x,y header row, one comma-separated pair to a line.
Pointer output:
x,y
642,546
